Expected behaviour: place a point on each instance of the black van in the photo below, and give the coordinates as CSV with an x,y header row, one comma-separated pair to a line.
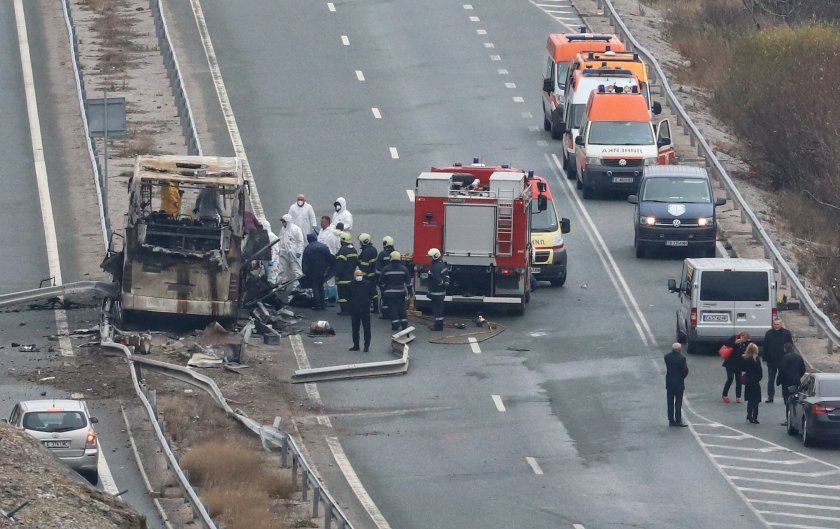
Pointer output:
x,y
675,208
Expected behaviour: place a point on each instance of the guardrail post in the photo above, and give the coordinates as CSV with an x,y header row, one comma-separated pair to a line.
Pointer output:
x,y
830,348
328,516
294,466
304,485
316,499
284,458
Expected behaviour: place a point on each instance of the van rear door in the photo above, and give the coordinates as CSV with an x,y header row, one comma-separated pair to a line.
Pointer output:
x,y
754,304
715,308
736,300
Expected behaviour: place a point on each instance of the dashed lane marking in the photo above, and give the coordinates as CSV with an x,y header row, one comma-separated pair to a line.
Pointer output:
x,y
345,40
789,493
468,7
497,400
489,45
761,460
495,57
534,466
473,344
105,476
410,193
359,75
527,115
481,32
394,154
475,19
376,113
577,526
510,85
569,19
502,71
331,7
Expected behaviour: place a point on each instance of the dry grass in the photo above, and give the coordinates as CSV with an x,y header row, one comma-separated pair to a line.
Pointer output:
x,y
138,143
241,509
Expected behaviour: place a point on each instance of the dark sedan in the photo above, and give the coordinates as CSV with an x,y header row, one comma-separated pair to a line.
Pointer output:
x,y
815,408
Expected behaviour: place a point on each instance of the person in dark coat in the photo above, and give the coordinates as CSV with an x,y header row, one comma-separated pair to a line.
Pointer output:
x,y
360,293
317,263
382,260
734,363
346,261
676,371
367,264
395,281
791,369
772,352
752,381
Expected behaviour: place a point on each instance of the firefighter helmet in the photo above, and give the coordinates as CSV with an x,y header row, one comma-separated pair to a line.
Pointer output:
x,y
434,253
364,238
387,241
395,256
346,237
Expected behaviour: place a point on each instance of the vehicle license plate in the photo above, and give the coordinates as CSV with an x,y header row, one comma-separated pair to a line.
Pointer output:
x,y
535,270
622,180
716,317
676,243
56,444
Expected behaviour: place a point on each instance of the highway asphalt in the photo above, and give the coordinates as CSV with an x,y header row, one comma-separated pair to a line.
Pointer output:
x,y
561,419
24,262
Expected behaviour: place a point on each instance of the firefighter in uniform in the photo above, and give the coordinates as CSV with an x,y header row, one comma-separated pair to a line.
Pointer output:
x,y
396,287
382,260
367,264
346,261
438,283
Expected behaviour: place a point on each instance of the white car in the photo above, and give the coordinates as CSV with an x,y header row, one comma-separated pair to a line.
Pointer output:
x,y
65,427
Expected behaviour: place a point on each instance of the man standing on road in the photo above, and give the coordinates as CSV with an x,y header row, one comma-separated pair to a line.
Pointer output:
x,y
676,371
317,265
773,351
360,291
381,261
329,235
791,369
367,264
303,216
346,261
396,287
438,283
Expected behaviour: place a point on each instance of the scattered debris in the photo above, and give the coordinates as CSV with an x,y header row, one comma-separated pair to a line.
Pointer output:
x,y
31,348
45,379
321,328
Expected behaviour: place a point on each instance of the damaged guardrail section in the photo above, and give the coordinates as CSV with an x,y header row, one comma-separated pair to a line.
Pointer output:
x,y
816,317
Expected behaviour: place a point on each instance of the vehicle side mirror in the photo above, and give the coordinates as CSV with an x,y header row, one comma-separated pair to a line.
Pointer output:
x,y
565,225
579,141
548,85
542,187
542,202
719,201
672,285
633,199
94,420
656,108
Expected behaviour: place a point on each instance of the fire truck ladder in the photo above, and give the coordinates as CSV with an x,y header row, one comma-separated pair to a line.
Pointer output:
x,y
504,223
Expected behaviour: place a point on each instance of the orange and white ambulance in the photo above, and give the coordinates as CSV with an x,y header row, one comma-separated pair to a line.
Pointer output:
x,y
561,49
617,140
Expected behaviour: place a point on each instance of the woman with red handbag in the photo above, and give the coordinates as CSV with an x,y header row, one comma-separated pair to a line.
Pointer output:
x,y
734,364
752,382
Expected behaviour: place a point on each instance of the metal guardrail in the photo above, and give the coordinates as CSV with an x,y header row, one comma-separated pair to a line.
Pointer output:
x,y
170,61
816,317
102,288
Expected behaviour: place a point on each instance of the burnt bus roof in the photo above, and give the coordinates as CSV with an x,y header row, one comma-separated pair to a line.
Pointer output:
x,y
197,170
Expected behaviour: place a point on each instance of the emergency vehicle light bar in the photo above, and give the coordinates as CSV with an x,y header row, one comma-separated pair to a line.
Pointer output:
x,y
589,36
607,71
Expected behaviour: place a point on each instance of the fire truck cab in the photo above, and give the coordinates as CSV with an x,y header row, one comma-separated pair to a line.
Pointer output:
x,y
483,232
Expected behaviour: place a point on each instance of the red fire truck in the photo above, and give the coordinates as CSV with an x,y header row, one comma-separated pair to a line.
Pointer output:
x,y
479,217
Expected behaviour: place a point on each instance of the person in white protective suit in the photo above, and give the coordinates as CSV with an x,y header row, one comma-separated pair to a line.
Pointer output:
x,y
291,249
272,268
342,214
329,235
303,215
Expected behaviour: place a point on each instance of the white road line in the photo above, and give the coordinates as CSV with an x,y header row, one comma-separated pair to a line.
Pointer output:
x,y
497,400
786,482
760,460
345,40
510,85
468,7
410,193
42,180
542,143
800,505
502,71
330,7
105,476
489,45
796,526
534,128
481,32
355,483
783,472
518,99
527,115
797,515
723,436
534,466
359,75
475,19
473,342
789,493
394,154
748,449
570,29
376,113
495,57
577,526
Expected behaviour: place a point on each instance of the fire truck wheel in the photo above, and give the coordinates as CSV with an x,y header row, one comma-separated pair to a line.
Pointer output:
x,y
558,281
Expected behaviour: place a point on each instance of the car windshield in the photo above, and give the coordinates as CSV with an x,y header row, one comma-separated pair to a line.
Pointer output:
x,y
54,421
830,388
685,190
620,133
576,113
544,221
734,286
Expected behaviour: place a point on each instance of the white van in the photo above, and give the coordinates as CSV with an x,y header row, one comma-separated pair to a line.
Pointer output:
x,y
721,296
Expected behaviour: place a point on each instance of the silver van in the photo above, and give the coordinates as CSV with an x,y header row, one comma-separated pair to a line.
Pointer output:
x,y
721,296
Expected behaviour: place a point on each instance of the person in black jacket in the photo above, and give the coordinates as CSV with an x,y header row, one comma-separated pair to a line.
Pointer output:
x,y
367,264
345,264
733,364
676,371
396,287
772,352
438,283
381,260
317,263
360,292
791,369
752,382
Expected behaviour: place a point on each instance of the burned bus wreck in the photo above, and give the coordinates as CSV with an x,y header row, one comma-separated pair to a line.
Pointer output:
x,y
183,237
